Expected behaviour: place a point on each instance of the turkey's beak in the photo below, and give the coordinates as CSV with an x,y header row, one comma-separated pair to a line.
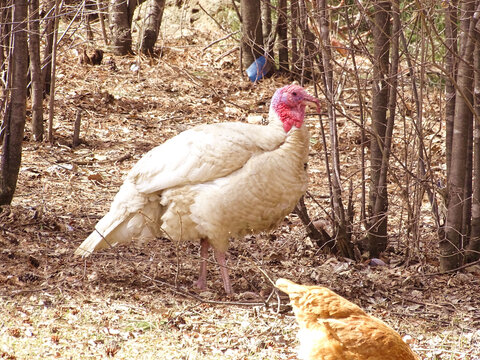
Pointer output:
x,y
312,101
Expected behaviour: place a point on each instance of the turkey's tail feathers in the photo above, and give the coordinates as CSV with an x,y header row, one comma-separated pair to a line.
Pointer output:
x,y
108,232
115,228
94,241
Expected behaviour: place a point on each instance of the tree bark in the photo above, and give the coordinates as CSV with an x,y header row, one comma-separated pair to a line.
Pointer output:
x,y
377,232
35,71
473,249
308,43
343,242
153,20
51,100
381,201
450,244
252,38
282,37
5,16
120,24
47,50
266,11
451,19
267,33
294,35
15,117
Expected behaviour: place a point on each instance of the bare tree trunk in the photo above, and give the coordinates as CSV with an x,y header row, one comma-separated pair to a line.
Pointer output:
x,y
266,11
252,39
319,235
153,20
47,50
451,19
308,44
467,204
381,201
473,252
282,36
120,24
450,244
343,241
294,35
51,100
267,32
15,118
5,17
101,10
36,71
377,232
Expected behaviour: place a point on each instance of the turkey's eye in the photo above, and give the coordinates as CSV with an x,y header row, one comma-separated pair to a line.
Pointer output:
x,y
294,93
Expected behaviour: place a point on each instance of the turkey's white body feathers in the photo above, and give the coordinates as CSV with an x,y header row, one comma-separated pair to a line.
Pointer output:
x,y
211,182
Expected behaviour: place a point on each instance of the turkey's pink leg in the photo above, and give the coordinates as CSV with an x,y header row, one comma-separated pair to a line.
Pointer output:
x,y
220,256
201,283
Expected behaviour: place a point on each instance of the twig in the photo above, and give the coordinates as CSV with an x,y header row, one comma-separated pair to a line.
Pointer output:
x,y
218,40
211,17
102,21
76,128
226,53
454,270
237,11
203,84
199,298
90,162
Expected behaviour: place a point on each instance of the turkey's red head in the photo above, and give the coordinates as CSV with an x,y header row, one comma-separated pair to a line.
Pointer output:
x,y
289,103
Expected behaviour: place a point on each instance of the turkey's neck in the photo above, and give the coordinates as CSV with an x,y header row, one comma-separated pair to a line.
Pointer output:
x,y
296,139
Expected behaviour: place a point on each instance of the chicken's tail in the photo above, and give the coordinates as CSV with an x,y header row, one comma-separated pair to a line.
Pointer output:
x,y
289,287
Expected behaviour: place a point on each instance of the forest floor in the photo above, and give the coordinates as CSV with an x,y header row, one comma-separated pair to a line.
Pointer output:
x,y
137,301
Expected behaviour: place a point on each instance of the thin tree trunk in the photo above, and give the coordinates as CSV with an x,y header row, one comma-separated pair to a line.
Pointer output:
x,y
381,202
343,242
450,244
473,252
267,32
153,20
266,11
102,20
4,51
282,36
294,35
451,19
308,44
467,204
51,100
252,38
15,118
47,50
377,232
36,71
120,25
363,136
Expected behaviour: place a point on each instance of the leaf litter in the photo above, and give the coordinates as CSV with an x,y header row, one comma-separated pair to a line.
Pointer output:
x,y
138,301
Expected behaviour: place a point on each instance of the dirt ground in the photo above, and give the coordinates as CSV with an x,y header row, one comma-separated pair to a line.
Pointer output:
x,y
137,301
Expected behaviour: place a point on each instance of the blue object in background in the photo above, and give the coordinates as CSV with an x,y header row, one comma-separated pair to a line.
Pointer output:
x,y
258,69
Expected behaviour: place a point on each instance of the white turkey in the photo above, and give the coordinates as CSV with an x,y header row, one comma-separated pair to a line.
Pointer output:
x,y
214,182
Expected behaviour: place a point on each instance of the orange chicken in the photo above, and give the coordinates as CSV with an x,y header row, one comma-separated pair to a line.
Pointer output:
x,y
333,328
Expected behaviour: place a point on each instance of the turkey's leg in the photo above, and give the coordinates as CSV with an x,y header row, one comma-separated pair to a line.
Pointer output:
x,y
201,283
220,256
